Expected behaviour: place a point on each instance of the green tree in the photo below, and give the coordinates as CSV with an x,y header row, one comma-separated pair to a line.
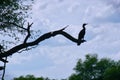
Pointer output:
x,y
29,77
94,69
113,72
13,13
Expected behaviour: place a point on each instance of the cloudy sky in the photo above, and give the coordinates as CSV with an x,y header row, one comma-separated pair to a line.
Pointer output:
x,y
57,56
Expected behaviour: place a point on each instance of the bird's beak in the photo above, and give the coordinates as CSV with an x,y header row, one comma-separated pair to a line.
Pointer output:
x,y
86,23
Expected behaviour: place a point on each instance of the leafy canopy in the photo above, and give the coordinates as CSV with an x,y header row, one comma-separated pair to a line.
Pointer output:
x,y
94,69
13,15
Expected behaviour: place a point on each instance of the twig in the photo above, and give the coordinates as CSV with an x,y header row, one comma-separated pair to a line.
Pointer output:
x,y
14,25
28,32
38,40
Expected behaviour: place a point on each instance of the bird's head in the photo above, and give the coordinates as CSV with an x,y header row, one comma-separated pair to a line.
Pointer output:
x,y
85,24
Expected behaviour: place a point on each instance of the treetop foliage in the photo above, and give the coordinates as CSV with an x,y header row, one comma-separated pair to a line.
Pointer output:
x,y
30,77
13,15
93,68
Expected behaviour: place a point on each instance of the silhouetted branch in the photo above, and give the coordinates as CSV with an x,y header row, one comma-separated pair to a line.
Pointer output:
x,y
38,40
15,25
28,32
1,52
3,60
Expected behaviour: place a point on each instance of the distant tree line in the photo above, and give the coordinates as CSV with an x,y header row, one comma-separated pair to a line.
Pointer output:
x,y
30,77
91,68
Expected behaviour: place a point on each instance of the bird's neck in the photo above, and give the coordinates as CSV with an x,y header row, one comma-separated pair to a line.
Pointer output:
x,y
83,26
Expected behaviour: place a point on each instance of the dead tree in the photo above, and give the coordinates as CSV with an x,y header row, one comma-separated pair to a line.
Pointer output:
x,y
43,37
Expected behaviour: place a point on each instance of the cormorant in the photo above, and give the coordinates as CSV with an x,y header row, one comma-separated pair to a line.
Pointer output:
x,y
81,34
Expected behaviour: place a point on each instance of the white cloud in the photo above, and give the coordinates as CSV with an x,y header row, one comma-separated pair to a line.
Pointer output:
x,y
73,7
19,58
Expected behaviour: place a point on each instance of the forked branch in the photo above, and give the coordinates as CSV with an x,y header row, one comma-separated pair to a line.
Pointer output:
x,y
28,32
38,40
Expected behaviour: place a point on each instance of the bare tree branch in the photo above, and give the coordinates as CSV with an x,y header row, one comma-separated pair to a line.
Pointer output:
x,y
28,32
38,40
3,60
1,52
15,25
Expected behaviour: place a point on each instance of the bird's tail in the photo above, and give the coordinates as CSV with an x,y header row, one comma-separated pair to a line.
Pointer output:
x,y
80,41
78,44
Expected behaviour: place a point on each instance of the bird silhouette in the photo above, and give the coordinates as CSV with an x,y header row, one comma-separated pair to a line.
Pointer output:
x,y
82,34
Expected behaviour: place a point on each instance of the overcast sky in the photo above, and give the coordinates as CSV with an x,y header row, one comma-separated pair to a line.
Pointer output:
x,y
57,56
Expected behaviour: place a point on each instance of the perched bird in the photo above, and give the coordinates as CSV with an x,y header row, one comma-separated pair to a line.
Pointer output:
x,y
81,34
